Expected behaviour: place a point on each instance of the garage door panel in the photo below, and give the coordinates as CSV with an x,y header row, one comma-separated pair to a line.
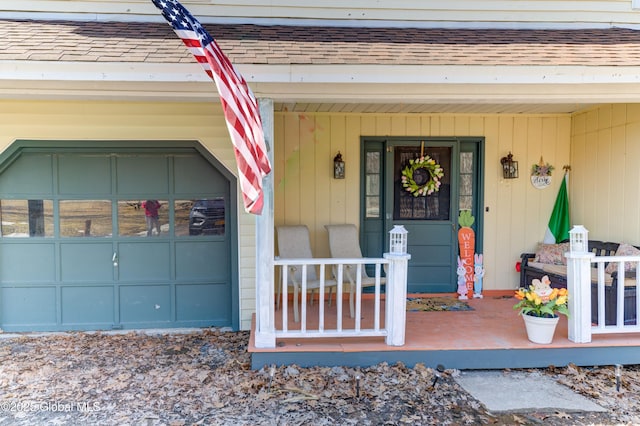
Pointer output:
x,y
144,261
88,305
202,260
86,262
154,179
27,263
194,174
94,170
75,255
145,304
29,174
27,307
203,302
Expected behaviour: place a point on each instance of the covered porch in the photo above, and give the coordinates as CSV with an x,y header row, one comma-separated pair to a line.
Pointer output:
x,y
491,336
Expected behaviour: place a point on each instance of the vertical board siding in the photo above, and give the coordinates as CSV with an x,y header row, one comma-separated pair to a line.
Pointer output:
x,y
518,213
632,178
605,179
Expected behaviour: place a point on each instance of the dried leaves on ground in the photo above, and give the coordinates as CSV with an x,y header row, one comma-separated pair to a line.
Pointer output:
x,y
205,378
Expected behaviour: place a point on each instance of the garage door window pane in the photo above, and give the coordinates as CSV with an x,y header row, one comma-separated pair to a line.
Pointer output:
x,y
27,218
200,217
85,218
143,218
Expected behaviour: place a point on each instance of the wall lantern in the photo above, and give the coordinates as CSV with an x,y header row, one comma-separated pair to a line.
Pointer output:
x,y
509,167
578,239
398,240
338,167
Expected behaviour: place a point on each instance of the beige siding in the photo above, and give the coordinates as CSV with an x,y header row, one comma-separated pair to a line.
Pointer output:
x,y
133,121
305,191
608,12
605,179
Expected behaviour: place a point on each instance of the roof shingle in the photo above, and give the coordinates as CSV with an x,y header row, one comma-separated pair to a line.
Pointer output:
x,y
254,44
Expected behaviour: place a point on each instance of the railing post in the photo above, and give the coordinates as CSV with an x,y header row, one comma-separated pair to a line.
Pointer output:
x,y
396,298
579,287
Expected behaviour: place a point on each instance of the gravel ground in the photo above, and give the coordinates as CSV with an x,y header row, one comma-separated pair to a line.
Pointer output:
x,y
205,378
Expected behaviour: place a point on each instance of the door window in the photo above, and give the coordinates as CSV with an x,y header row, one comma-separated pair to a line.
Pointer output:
x,y
373,171
26,218
466,181
143,218
206,216
435,206
85,218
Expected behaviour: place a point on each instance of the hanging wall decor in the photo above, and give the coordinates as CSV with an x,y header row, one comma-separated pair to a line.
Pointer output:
x,y
541,174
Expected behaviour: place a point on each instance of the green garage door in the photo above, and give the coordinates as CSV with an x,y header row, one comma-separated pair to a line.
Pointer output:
x,y
106,240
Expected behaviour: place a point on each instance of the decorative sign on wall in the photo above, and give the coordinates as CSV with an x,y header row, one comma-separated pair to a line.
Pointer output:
x,y
541,174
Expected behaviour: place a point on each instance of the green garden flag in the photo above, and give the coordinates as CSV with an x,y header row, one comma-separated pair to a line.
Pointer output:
x,y
559,223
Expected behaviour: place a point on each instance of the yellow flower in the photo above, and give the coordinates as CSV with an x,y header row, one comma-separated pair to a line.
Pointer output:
x,y
534,304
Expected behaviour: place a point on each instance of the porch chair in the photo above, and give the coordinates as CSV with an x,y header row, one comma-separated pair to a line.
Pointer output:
x,y
344,243
294,243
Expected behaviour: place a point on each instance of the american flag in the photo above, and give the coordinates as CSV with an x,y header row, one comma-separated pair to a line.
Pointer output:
x,y
240,106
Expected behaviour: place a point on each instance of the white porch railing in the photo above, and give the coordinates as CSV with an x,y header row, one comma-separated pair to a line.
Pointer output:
x,y
579,284
392,326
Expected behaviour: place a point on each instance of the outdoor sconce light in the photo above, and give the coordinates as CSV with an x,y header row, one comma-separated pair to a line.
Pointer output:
x,y
578,239
338,167
398,240
509,167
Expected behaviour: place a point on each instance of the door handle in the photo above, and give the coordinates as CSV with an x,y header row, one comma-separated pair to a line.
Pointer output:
x,y
114,259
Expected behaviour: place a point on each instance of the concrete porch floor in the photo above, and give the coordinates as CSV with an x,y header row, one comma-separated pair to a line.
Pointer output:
x,y
492,336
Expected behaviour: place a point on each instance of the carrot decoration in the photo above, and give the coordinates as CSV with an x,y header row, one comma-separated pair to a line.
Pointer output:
x,y
467,243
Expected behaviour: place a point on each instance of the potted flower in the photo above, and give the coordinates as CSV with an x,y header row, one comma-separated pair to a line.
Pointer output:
x,y
540,306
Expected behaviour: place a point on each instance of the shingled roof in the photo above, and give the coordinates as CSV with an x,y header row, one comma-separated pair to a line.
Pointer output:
x,y
33,40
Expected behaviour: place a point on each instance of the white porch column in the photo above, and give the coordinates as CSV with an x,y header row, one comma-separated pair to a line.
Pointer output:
x,y
265,336
579,286
396,298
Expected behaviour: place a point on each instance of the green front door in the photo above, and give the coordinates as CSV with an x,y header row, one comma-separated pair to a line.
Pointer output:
x,y
106,240
432,219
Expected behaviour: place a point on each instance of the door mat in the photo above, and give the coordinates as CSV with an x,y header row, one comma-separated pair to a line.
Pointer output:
x,y
431,304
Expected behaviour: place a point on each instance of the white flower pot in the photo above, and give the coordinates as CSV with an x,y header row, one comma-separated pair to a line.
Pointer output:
x,y
540,330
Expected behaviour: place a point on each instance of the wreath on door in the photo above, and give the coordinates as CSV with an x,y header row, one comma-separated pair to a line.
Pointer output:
x,y
421,177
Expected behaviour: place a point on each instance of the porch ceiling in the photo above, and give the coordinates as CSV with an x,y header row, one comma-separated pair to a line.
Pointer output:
x,y
437,108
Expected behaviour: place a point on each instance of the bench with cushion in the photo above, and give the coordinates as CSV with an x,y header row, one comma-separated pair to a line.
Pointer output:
x,y
549,260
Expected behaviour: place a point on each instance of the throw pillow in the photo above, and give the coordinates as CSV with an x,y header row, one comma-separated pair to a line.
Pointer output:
x,y
623,250
552,253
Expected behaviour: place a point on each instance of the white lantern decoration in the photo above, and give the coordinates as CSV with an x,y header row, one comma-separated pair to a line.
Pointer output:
x,y
398,240
578,239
